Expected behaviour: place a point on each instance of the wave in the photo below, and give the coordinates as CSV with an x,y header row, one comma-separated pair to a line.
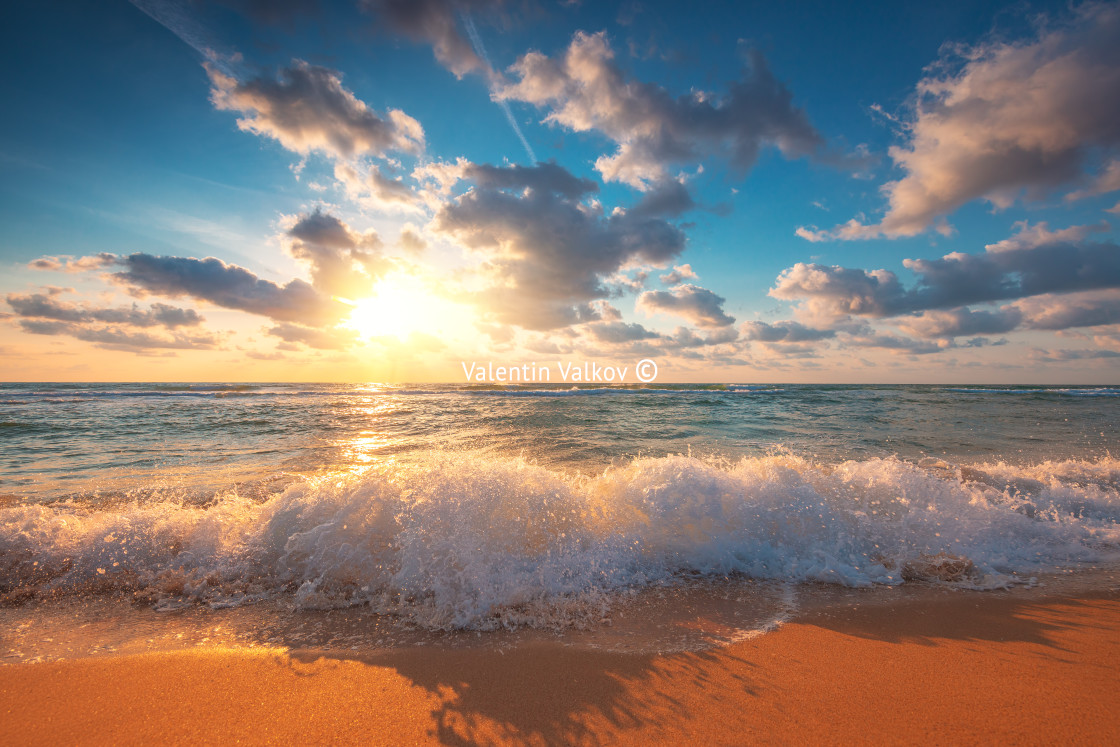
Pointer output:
x,y
218,391
60,396
600,391
1068,391
585,391
463,542
80,395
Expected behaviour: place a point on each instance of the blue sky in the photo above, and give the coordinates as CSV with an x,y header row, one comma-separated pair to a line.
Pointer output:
x,y
311,191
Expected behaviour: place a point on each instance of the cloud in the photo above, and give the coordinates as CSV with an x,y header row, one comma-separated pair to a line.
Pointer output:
x,y
384,193
306,108
70,264
338,338
543,177
1029,237
620,332
158,315
441,176
831,293
117,328
586,90
438,179
259,356
783,332
227,286
668,198
895,344
959,322
436,22
684,338
679,274
115,337
1051,312
1108,180
1011,119
1019,269
410,239
499,333
343,262
1082,354
698,305
546,253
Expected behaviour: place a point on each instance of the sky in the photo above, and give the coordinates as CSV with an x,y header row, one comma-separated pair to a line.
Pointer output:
x,y
393,190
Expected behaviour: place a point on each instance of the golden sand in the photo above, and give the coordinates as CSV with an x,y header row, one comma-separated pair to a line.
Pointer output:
x,y
955,669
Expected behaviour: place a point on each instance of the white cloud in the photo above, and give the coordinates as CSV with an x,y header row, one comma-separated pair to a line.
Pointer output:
x,y
1002,120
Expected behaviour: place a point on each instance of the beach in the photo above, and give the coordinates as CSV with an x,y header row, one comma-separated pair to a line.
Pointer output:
x,y
936,666
474,372
717,564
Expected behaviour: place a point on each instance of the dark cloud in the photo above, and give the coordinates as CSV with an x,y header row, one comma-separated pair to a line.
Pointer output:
x,y
585,89
669,199
307,108
619,332
48,307
547,253
964,321
684,338
343,262
227,286
698,305
1081,354
436,22
117,328
546,177
783,332
894,343
831,293
115,337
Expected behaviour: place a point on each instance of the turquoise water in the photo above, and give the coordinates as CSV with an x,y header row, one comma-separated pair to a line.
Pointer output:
x,y
66,438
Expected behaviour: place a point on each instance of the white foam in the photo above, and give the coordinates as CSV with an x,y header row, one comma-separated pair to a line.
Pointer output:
x,y
461,541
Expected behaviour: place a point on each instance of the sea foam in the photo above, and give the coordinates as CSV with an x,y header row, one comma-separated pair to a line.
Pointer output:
x,y
460,541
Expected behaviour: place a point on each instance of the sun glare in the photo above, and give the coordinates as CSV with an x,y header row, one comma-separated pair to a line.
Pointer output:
x,y
402,305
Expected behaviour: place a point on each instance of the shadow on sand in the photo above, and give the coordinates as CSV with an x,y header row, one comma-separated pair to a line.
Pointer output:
x,y
550,693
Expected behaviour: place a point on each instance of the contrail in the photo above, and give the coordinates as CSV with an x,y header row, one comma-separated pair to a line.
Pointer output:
x,y
173,17
480,50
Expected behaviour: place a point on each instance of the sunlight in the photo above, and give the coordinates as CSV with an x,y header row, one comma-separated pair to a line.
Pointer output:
x,y
403,305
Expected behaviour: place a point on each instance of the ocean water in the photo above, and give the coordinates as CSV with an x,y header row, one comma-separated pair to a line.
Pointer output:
x,y
455,507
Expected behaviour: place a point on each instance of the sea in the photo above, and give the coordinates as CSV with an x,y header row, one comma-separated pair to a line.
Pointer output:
x,y
652,517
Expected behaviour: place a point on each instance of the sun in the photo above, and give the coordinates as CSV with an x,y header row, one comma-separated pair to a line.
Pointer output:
x,y
402,305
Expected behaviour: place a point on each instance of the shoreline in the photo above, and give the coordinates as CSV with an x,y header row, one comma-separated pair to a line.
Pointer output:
x,y
956,667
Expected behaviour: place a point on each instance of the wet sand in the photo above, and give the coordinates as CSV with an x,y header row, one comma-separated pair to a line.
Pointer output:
x,y
937,668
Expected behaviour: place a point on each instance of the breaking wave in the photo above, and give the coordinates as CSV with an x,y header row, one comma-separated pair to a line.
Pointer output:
x,y
460,541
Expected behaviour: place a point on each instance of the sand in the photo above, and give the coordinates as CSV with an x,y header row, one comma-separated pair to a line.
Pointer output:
x,y
950,668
